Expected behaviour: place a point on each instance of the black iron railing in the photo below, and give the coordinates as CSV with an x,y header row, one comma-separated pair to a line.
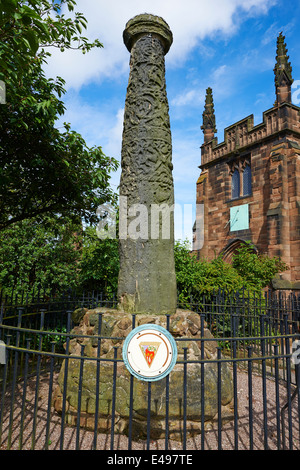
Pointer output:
x,y
257,341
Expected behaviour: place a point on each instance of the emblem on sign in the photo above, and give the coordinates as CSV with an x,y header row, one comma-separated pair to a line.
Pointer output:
x,y
149,352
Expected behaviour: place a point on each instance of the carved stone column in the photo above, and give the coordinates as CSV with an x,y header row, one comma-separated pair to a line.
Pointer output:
x,y
147,282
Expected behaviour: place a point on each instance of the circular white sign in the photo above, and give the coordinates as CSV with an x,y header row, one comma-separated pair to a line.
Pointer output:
x,y
149,352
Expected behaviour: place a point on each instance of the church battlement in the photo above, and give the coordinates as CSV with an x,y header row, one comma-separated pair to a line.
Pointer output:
x,y
242,134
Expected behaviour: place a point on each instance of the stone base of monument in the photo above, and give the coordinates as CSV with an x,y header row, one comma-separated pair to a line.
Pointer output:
x,y
115,379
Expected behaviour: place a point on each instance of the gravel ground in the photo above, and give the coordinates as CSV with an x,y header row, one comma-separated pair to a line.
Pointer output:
x,y
33,433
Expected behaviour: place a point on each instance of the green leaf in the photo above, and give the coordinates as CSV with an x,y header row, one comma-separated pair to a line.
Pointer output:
x,y
8,6
32,40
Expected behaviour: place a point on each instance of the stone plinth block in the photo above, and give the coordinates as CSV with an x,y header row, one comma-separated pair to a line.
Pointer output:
x,y
115,326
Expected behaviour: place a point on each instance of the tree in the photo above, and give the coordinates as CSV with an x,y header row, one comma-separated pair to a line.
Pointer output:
x,y
56,256
40,256
43,170
99,266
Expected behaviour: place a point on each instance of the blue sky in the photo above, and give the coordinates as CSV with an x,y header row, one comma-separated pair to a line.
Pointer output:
x,y
229,45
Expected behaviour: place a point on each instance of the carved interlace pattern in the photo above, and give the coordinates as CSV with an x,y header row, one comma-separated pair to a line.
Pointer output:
x,y
147,148
147,280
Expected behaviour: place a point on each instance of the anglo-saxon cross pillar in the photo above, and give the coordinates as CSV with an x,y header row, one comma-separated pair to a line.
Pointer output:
x,y
147,281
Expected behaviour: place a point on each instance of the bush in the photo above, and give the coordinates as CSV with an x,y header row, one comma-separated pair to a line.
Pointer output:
x,y
196,279
256,269
249,273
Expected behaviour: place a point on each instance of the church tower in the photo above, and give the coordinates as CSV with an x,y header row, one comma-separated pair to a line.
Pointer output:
x,y
248,187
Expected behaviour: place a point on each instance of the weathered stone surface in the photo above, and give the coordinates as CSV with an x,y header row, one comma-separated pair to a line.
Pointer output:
x,y
183,324
147,281
154,25
78,314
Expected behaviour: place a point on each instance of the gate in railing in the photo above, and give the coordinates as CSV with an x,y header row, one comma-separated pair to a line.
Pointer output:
x,y
256,342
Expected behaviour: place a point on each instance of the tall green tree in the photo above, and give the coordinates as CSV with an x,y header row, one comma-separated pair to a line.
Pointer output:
x,y
40,256
43,170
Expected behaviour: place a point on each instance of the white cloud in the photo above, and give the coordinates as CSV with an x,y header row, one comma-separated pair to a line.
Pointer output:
x,y
95,124
221,81
189,97
189,20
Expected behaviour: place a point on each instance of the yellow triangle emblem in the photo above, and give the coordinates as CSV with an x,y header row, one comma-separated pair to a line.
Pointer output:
x,y
149,351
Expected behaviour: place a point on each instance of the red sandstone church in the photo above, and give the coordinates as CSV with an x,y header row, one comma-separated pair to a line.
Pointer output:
x,y
250,183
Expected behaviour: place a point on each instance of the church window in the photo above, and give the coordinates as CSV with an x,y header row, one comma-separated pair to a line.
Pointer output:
x,y
235,184
240,172
247,180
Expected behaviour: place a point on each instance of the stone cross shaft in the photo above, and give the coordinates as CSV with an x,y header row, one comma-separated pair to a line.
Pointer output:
x,y
147,282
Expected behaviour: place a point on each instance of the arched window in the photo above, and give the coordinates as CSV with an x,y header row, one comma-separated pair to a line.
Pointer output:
x,y
235,184
247,181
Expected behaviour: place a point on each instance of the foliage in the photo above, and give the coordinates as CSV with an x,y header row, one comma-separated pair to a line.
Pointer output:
x,y
249,273
218,287
53,337
55,256
99,267
197,278
27,29
43,170
256,269
40,256
59,256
